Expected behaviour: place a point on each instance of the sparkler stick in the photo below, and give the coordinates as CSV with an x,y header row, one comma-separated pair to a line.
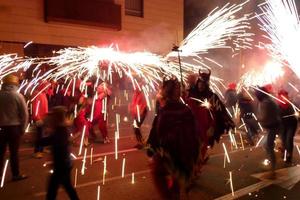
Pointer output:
x,y
259,141
138,113
261,128
37,108
284,158
75,111
242,141
232,140
73,156
105,108
98,192
226,153
116,145
123,167
294,87
117,125
4,173
224,161
298,149
104,170
91,158
81,141
42,90
294,106
229,112
231,184
75,179
93,107
83,162
132,178
245,125
67,88
27,44
73,88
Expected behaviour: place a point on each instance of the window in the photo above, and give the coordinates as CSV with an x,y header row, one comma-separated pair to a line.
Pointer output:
x,y
134,8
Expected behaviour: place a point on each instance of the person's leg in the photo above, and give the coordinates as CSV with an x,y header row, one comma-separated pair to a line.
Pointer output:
x,y
283,137
249,134
38,148
53,186
103,129
3,142
14,137
66,181
271,135
290,133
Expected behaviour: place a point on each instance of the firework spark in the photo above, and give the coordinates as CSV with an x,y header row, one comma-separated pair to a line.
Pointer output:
x,y
284,37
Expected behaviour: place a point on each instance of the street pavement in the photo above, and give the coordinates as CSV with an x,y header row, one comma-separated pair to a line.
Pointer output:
x,y
245,167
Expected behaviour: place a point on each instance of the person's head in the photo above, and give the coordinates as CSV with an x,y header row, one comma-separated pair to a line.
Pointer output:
x,y
170,89
10,79
261,93
104,88
203,81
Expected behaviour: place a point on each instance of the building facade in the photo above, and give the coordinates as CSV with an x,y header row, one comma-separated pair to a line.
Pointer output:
x,y
151,25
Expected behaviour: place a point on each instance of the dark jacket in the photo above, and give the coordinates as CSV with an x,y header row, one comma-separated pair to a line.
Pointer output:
x,y
268,113
173,136
59,142
222,120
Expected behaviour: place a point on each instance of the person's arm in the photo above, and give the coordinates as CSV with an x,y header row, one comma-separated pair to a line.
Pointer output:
x,y
23,112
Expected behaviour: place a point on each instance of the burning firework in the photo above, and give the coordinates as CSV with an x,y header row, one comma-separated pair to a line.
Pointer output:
x,y
280,21
271,72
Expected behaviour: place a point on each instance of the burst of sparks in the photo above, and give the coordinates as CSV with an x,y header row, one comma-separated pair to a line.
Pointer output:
x,y
214,31
270,73
280,22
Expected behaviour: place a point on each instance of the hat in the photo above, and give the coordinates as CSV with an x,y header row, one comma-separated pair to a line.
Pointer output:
x,y
232,86
204,77
10,80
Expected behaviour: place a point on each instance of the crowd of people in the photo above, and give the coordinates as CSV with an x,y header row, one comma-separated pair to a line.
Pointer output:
x,y
188,121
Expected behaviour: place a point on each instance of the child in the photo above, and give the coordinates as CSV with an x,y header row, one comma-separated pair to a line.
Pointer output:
x,y
56,125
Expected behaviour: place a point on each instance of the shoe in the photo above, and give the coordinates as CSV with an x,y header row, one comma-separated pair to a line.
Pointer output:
x,y
38,155
19,177
106,140
47,151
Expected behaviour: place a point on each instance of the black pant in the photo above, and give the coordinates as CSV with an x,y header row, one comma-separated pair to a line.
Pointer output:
x,y
61,177
38,137
10,135
271,135
287,137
